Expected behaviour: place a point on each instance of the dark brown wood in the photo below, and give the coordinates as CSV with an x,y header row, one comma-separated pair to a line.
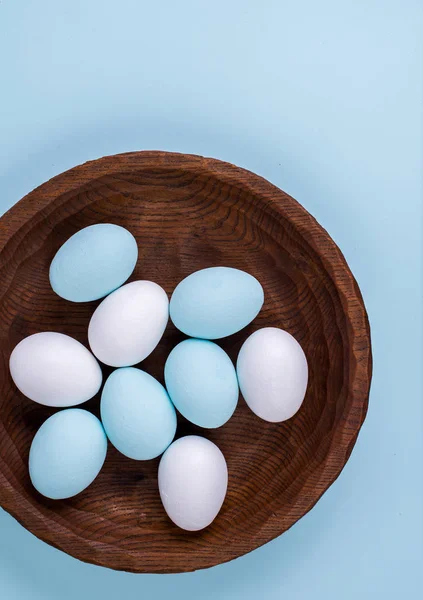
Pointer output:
x,y
187,213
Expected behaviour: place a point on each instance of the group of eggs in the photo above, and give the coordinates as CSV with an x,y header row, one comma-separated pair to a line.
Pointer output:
x,y
137,413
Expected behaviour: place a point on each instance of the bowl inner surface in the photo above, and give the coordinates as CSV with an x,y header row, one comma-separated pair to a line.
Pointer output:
x,y
185,216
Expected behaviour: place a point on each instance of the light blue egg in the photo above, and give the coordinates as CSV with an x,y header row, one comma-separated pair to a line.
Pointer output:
x,y
137,414
67,453
93,262
202,382
216,302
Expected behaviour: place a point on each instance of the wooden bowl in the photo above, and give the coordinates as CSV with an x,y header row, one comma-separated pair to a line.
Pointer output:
x,y
187,213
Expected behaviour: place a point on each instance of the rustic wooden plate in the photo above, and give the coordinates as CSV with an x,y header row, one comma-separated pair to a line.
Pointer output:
x,y
187,213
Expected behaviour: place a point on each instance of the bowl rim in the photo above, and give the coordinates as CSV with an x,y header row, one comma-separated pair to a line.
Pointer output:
x,y
38,204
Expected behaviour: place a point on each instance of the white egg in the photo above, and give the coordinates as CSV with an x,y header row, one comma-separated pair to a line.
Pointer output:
x,y
55,370
272,374
193,479
128,324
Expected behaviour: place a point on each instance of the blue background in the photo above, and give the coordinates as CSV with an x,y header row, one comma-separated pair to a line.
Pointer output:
x,y
323,98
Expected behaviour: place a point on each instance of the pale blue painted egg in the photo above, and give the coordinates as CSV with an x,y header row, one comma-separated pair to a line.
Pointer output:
x,y
202,382
137,414
67,453
215,302
93,262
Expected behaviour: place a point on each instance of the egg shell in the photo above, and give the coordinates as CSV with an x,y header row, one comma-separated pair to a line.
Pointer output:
x,y
55,370
215,302
128,324
93,262
202,382
67,453
137,414
272,373
193,479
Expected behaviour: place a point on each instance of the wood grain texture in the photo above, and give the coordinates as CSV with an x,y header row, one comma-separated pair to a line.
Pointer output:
x,y
187,213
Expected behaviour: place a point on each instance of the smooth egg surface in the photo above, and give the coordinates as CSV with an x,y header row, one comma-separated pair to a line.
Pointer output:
x,y
272,373
215,302
128,324
93,262
202,382
67,453
137,414
55,370
193,479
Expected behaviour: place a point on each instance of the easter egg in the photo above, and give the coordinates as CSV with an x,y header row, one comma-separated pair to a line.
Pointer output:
x,y
193,479
128,324
202,382
215,302
67,453
54,369
93,262
272,373
137,414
